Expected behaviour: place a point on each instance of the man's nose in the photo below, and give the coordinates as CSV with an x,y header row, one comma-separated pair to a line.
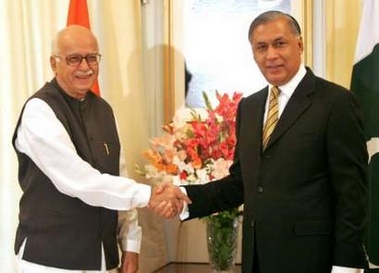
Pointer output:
x,y
83,63
272,52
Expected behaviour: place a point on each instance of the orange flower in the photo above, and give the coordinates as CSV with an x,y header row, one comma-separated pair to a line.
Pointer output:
x,y
197,163
160,166
172,169
152,156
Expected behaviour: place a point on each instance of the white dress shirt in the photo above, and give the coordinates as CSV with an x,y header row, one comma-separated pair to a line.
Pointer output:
x,y
286,91
44,139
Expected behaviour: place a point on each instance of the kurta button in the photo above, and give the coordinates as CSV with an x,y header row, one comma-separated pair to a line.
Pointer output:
x,y
260,189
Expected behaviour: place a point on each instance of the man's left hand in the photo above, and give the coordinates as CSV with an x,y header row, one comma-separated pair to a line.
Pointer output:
x,y
129,262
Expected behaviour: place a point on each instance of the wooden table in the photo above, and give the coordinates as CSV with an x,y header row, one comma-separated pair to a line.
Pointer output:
x,y
190,268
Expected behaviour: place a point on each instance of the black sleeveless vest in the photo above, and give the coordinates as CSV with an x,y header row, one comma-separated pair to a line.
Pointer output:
x,y
63,231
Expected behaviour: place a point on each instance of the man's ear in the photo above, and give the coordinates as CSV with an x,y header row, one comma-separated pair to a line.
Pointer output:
x,y
301,45
54,64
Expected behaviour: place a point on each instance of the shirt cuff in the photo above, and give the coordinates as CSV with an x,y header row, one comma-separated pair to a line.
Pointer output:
x,y
185,212
143,196
129,232
130,245
341,269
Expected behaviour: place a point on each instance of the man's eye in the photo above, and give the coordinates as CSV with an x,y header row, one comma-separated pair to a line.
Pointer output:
x,y
91,58
261,48
279,44
74,59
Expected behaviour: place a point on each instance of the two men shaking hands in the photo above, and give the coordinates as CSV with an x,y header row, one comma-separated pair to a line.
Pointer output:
x,y
168,200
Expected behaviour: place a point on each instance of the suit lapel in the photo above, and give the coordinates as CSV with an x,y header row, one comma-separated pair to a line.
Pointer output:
x,y
252,118
296,106
258,119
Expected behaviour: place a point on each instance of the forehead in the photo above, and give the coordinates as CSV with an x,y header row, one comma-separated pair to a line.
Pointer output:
x,y
77,42
272,30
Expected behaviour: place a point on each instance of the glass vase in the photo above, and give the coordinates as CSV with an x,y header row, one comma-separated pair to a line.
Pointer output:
x,y
222,234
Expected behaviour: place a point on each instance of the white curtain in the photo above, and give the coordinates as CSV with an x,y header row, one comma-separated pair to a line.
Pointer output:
x,y
26,30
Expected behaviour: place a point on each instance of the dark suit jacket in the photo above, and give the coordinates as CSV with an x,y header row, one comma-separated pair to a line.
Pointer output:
x,y
305,196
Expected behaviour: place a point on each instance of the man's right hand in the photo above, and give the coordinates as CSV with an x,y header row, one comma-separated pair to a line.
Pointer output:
x,y
167,200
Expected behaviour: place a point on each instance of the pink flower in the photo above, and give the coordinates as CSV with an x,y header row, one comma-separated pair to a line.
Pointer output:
x,y
197,146
221,168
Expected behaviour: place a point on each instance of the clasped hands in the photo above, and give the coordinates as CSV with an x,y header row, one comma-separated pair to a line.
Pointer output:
x,y
167,200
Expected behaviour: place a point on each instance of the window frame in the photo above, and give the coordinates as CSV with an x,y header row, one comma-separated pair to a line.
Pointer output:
x,y
173,60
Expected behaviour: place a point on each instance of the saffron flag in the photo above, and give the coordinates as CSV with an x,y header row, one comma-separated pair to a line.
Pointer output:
x,y
78,15
365,84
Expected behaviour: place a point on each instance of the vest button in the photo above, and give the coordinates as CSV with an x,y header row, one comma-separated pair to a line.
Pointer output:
x,y
260,189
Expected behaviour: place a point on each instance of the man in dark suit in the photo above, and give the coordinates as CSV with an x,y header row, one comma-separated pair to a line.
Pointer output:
x,y
303,189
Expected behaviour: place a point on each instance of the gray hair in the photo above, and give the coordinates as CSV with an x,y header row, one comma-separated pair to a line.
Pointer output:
x,y
271,15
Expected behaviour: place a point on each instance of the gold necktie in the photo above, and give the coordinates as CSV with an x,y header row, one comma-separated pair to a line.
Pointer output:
x,y
272,116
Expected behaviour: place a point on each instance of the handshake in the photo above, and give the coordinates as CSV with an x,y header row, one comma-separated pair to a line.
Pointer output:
x,y
167,200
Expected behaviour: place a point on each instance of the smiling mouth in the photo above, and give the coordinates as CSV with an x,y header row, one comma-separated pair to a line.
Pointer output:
x,y
274,67
84,75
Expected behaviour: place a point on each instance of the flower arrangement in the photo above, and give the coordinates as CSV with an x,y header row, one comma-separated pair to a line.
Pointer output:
x,y
198,145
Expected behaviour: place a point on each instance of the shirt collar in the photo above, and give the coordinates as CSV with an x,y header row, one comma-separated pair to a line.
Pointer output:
x,y
288,88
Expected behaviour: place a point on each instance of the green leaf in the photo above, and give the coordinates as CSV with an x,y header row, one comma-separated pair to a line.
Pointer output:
x,y
207,101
